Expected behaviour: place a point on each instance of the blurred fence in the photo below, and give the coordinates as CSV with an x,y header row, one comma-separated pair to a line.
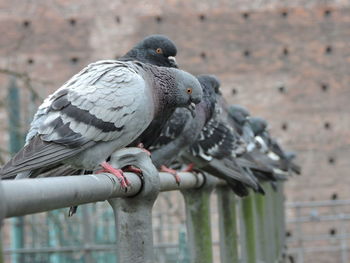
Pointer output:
x,y
319,228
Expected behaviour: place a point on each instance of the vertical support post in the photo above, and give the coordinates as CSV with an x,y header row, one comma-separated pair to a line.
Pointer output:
x,y
227,225
53,235
133,216
270,223
249,229
16,142
2,216
260,220
278,212
281,221
197,204
1,254
87,234
183,248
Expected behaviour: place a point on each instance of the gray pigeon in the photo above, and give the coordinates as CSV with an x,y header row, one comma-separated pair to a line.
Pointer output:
x,y
157,50
103,108
279,158
154,49
265,152
183,128
203,140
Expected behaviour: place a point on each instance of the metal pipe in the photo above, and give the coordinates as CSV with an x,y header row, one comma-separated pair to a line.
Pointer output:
x,y
43,194
27,196
318,203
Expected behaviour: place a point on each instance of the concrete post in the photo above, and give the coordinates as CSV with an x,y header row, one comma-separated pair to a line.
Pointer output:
x,y
133,216
227,225
197,202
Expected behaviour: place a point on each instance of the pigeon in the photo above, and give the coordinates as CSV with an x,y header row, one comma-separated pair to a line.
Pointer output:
x,y
202,140
157,50
182,128
271,147
240,117
103,108
255,130
154,49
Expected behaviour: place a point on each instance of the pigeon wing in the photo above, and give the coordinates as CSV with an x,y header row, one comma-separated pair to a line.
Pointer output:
x,y
106,101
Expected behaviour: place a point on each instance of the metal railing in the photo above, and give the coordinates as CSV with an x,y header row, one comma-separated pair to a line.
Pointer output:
x,y
251,230
328,236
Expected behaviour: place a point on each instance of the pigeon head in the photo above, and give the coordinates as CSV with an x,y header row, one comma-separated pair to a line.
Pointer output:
x,y
188,91
259,125
157,50
210,85
238,113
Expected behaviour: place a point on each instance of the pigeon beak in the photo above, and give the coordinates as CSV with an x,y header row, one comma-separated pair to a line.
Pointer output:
x,y
172,62
192,109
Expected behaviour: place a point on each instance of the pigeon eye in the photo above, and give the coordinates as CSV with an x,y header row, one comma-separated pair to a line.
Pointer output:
x,y
189,90
159,51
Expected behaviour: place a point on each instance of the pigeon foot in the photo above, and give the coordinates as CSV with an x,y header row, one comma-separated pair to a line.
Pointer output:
x,y
117,172
165,169
132,169
189,168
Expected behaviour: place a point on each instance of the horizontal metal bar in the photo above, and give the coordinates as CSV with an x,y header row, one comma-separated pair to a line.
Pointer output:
x,y
317,249
71,249
28,196
317,203
318,237
321,218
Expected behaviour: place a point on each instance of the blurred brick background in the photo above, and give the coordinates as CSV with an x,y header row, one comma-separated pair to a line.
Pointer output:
x,y
287,61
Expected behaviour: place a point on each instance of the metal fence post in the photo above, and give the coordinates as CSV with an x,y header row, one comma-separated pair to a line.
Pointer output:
x,y
249,229
270,223
281,220
197,204
183,248
16,142
133,216
2,216
260,203
227,225
87,233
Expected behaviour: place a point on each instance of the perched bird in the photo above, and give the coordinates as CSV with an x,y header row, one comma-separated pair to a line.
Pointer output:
x,y
183,128
105,107
157,50
203,140
280,159
264,151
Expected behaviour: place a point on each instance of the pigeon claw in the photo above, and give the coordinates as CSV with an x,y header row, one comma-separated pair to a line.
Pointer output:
x,y
132,169
189,168
173,172
124,182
